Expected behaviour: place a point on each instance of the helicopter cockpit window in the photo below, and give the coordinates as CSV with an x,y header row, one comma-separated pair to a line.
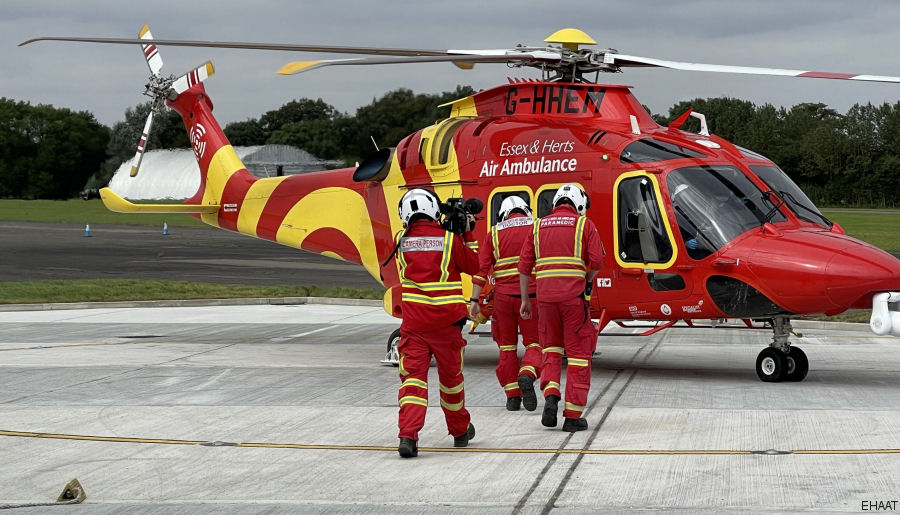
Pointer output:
x,y
498,199
649,150
642,232
780,183
715,204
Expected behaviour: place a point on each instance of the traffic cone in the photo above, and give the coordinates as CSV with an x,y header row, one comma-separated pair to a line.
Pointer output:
x,y
87,230
165,228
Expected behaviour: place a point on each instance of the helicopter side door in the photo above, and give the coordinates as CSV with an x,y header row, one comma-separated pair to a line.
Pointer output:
x,y
641,262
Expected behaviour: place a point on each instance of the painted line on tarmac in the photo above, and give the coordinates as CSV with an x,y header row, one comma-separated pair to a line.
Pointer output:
x,y
489,450
307,333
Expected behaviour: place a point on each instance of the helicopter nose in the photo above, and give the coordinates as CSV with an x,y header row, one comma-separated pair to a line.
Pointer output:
x,y
857,272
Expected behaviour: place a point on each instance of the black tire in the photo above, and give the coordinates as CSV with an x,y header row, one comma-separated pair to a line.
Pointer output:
x,y
392,342
797,365
771,365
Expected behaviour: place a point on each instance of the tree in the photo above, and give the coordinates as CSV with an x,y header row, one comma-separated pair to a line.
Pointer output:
x,y
246,133
296,111
46,152
397,114
320,137
726,117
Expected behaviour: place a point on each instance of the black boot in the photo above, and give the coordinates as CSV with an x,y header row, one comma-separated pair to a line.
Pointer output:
x,y
574,424
551,405
463,439
513,403
408,448
526,385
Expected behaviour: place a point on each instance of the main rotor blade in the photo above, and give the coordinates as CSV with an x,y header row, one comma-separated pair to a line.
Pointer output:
x,y
305,66
252,46
622,60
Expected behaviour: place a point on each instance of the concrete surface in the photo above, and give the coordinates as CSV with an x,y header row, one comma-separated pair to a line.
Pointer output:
x,y
285,409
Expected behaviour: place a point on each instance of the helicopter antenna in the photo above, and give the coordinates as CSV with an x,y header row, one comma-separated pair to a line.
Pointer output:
x,y
373,142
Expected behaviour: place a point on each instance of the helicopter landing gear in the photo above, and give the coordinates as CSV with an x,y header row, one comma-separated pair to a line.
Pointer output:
x,y
798,365
780,361
392,356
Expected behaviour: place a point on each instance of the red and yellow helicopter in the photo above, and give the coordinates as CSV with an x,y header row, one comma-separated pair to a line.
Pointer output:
x,y
695,227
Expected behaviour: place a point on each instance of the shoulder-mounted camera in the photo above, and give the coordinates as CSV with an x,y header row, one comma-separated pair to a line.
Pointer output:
x,y
454,213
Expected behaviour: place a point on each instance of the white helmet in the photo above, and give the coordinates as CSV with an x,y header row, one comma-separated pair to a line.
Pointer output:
x,y
419,201
575,195
510,203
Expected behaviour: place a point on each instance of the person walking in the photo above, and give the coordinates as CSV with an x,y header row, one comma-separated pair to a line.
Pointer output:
x,y
500,252
434,312
566,253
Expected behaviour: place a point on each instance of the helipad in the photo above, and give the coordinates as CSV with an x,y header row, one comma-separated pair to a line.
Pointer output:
x,y
285,408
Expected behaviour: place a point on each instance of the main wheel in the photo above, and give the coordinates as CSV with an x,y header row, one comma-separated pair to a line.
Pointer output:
x,y
797,365
771,365
392,356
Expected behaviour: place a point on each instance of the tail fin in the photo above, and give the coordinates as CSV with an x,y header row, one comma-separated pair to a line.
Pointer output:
x,y
224,180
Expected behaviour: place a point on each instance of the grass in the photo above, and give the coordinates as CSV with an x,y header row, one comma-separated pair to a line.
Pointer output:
x,y
881,229
80,211
106,290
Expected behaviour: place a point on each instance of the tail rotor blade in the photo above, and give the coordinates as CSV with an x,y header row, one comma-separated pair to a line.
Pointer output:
x,y
151,53
193,77
142,144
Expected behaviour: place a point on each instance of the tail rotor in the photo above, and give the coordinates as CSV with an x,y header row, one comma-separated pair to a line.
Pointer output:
x,y
161,88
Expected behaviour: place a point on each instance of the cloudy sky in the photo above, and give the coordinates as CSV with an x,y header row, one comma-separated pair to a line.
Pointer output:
x,y
821,35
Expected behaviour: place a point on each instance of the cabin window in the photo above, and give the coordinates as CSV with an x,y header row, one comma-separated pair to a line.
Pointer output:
x,y
545,202
423,142
642,231
666,282
498,199
651,150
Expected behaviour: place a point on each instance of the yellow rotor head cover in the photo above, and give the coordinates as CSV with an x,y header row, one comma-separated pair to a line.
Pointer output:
x,y
570,38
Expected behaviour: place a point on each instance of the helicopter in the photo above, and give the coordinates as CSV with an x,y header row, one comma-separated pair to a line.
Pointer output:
x,y
696,228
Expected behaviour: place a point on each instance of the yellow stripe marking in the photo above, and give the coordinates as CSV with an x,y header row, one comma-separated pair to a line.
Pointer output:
x,y
316,211
254,202
224,163
494,450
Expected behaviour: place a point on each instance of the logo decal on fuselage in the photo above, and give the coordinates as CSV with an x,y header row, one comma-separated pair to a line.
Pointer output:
x,y
197,142
528,158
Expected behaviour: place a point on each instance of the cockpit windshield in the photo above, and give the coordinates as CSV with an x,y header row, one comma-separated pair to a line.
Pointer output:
x,y
715,204
799,203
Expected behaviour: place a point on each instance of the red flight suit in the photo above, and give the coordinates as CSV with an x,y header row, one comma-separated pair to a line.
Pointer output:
x,y
434,311
500,251
564,247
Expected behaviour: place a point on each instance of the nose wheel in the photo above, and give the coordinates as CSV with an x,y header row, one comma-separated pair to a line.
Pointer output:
x,y
781,361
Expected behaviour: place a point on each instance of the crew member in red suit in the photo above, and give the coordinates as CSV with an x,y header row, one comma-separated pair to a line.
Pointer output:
x,y
500,251
434,312
566,253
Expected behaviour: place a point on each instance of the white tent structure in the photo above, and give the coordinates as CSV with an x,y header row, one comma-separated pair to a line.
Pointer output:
x,y
174,174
